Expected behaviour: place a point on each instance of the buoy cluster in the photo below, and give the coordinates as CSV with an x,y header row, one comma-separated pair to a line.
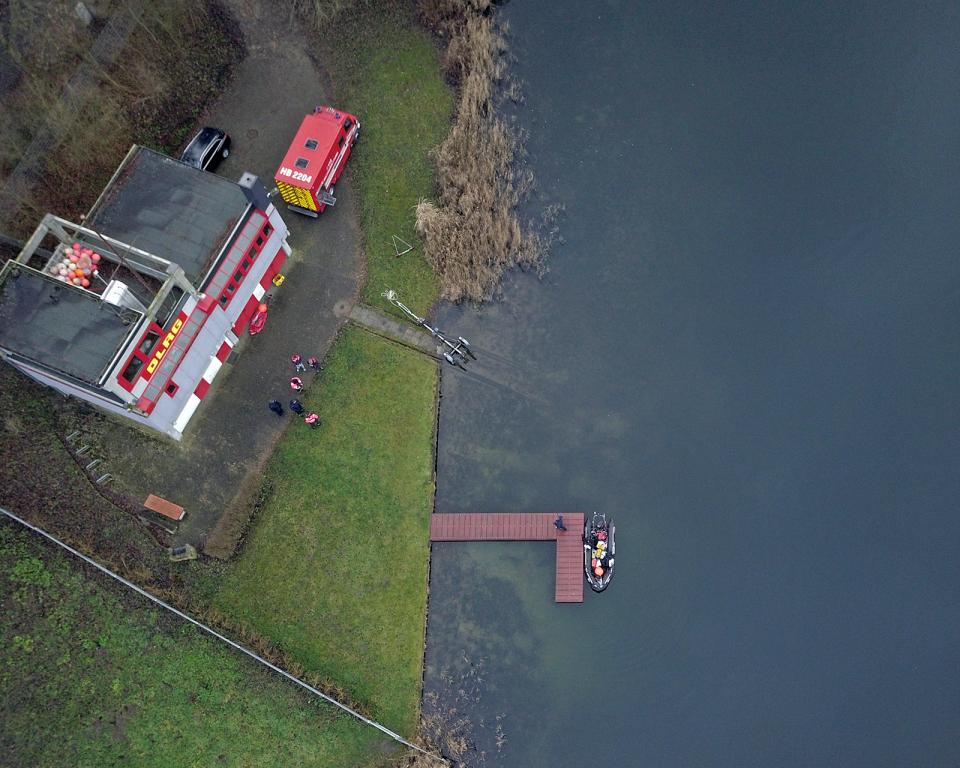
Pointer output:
x,y
77,266
599,554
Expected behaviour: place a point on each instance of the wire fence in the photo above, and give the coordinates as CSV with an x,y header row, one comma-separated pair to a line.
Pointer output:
x,y
236,646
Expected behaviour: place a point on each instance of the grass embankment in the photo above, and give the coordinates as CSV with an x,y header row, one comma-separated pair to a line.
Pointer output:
x,y
93,676
334,569
39,479
387,70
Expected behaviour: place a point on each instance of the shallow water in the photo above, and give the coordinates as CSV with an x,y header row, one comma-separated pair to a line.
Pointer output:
x,y
747,351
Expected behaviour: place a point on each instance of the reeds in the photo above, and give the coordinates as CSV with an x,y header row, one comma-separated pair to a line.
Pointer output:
x,y
472,233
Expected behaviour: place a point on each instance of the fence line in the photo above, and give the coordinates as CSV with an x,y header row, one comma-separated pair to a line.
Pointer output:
x,y
306,686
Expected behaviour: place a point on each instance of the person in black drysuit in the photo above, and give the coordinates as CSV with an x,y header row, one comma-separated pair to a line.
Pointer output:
x,y
297,407
276,407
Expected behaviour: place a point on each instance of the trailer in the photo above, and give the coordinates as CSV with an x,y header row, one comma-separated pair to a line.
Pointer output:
x,y
315,160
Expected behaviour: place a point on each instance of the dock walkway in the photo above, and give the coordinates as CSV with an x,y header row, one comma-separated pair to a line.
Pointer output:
x,y
523,526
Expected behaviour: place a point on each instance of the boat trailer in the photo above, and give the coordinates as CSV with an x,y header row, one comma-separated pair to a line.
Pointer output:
x,y
457,353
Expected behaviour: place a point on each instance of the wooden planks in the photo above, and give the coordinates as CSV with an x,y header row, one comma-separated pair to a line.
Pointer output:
x,y
523,526
163,507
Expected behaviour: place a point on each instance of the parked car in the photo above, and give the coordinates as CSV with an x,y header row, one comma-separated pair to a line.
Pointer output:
x,y
207,149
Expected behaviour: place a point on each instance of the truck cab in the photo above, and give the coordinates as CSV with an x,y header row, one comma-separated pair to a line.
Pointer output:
x,y
315,160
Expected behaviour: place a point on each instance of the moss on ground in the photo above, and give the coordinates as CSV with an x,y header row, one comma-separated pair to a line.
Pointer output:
x,y
94,676
334,570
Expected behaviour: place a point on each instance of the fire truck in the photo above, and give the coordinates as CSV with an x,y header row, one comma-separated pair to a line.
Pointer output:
x,y
316,159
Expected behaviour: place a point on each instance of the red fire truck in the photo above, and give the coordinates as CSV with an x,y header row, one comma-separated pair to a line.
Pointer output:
x,y
316,159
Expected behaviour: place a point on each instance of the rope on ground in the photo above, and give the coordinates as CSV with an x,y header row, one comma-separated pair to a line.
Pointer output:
x,y
306,686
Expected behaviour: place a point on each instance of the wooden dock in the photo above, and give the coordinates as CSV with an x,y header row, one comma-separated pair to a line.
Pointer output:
x,y
523,526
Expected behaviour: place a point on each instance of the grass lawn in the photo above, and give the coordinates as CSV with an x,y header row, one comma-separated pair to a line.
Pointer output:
x,y
387,72
334,568
91,675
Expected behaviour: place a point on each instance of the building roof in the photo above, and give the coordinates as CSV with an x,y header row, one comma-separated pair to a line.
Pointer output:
x,y
160,205
64,328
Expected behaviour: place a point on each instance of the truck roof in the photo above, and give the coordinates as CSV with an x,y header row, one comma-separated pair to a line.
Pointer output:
x,y
310,148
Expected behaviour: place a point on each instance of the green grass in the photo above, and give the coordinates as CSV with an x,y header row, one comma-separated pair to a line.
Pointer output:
x,y
94,676
387,72
334,569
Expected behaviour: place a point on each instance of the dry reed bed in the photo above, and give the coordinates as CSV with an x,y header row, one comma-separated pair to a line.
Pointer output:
x,y
472,233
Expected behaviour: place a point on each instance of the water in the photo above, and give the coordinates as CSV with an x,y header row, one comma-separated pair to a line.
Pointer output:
x,y
747,352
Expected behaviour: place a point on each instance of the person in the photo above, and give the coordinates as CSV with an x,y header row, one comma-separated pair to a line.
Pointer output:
x,y
297,363
312,420
296,383
276,407
559,523
297,407
314,363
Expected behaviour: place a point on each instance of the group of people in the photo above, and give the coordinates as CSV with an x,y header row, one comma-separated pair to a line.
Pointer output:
x,y
311,419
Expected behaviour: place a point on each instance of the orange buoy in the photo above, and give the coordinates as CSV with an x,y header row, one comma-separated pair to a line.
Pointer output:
x,y
593,563
598,571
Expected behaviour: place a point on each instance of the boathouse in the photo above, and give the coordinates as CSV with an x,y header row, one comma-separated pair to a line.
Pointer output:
x,y
136,309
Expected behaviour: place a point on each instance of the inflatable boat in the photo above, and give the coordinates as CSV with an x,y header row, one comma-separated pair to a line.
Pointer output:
x,y
599,549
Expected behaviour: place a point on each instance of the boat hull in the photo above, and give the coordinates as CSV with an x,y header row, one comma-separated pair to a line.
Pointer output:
x,y
590,531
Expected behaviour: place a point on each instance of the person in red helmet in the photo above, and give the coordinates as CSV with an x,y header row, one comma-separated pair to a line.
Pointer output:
x,y
296,383
297,362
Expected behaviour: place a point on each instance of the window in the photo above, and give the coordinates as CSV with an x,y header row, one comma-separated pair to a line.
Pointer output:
x,y
340,142
252,253
224,299
231,287
172,388
267,229
169,306
302,162
239,276
259,241
131,371
148,341
245,265
311,144
346,124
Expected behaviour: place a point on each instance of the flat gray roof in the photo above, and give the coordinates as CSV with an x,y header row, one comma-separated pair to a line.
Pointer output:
x,y
61,327
167,208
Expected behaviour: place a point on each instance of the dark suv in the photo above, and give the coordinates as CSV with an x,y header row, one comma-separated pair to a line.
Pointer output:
x,y
206,149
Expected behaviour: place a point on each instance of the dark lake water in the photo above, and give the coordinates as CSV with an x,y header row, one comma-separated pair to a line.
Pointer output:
x,y
747,352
